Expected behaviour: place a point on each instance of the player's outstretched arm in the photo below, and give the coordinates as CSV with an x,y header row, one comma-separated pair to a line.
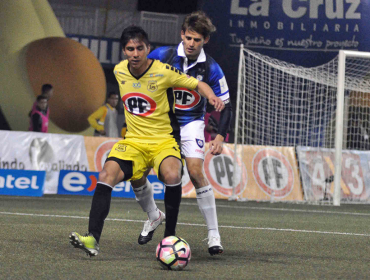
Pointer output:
x,y
206,91
216,145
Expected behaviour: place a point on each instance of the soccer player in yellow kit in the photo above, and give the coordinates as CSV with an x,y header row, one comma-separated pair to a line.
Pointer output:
x,y
151,141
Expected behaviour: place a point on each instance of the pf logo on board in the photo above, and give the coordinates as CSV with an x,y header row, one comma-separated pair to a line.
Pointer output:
x,y
220,172
102,153
273,173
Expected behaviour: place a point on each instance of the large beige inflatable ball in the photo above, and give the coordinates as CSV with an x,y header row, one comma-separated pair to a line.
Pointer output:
x,y
76,75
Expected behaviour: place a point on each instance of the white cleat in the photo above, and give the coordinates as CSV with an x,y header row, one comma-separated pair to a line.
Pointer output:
x,y
149,227
214,245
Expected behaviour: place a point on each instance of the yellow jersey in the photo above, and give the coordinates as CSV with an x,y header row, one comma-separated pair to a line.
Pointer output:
x,y
149,100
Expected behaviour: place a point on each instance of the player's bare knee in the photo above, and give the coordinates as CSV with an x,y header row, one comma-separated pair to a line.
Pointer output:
x,y
171,176
170,171
107,177
103,175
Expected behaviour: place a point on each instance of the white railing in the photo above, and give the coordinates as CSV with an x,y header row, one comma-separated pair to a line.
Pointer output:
x,y
78,20
161,28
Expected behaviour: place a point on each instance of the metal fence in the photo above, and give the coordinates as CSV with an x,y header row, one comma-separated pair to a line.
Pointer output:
x,y
161,28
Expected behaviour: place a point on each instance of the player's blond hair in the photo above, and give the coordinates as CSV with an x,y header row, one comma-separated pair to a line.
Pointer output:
x,y
199,22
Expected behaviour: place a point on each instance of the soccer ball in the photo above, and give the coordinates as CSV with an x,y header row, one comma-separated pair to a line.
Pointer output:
x,y
173,253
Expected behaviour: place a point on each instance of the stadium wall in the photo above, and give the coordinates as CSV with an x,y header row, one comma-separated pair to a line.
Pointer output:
x,y
263,173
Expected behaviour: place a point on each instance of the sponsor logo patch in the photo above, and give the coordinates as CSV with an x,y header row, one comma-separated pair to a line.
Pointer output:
x,y
186,99
152,86
139,104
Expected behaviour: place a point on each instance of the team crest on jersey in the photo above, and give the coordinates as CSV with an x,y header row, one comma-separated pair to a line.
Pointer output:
x,y
136,85
186,99
152,86
139,104
120,148
200,78
199,142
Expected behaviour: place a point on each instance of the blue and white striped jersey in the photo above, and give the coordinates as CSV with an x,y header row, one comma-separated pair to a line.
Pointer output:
x,y
190,105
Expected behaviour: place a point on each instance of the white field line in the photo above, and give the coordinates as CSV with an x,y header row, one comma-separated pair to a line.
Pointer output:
x,y
196,225
218,205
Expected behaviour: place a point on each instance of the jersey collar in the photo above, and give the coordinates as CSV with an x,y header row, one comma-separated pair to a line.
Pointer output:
x,y
181,52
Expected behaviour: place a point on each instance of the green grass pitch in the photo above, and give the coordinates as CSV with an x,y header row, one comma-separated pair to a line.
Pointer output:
x,y
261,241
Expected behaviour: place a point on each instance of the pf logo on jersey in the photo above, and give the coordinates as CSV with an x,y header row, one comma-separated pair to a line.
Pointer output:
x,y
139,104
185,98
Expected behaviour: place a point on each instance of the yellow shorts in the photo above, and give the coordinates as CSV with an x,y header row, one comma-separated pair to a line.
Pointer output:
x,y
144,154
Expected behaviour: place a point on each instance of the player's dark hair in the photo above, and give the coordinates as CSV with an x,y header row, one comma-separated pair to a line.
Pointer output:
x,y
41,97
45,88
198,22
133,33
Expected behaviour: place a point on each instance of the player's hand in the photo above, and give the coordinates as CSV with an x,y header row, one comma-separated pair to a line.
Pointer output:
x,y
102,132
217,103
216,145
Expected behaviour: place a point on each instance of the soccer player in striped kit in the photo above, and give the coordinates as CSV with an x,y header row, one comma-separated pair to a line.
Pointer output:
x,y
190,58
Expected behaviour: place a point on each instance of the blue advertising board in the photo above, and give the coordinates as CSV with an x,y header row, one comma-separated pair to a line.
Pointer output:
x,y
307,33
22,182
84,183
303,32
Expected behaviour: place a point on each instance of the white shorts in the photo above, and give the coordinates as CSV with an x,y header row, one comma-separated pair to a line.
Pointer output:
x,y
192,139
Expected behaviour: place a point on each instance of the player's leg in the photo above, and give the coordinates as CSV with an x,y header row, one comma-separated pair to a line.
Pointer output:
x,y
143,190
170,175
206,203
111,175
167,164
118,167
192,147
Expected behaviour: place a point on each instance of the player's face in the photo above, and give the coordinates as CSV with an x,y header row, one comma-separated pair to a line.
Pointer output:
x,y
193,43
42,104
136,53
113,100
48,93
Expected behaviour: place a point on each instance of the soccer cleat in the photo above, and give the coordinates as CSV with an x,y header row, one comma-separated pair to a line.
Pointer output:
x,y
85,242
214,245
149,227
